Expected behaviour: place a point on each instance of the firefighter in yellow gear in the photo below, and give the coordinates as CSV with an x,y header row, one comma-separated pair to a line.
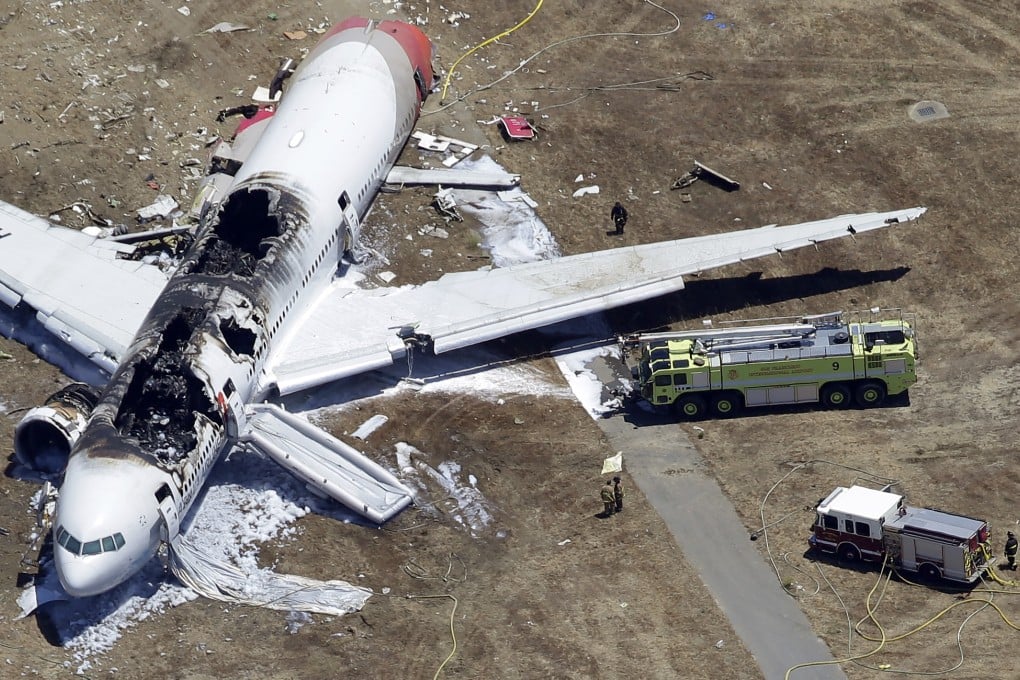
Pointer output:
x,y
618,494
608,499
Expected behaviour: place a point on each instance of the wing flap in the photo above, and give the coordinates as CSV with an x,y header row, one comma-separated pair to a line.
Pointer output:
x,y
349,332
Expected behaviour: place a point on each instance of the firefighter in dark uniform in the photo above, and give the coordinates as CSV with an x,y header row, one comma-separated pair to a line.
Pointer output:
x,y
618,494
619,215
1011,546
608,499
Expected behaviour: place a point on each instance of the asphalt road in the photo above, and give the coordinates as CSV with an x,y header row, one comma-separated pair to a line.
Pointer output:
x,y
669,471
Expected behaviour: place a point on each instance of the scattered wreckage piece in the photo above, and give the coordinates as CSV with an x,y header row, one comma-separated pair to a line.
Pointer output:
x,y
706,174
403,175
459,149
516,128
446,205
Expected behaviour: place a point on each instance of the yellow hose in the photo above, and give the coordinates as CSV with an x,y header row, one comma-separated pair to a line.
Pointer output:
x,y
449,75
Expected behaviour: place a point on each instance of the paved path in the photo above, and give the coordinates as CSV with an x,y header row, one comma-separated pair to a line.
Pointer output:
x,y
669,471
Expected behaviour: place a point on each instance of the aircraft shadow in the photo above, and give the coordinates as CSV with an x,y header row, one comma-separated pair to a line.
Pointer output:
x,y
701,298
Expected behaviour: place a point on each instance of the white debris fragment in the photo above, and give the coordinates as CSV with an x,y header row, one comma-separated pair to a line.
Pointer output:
x,y
369,426
226,27
163,84
584,191
564,541
161,207
186,11
613,463
579,178
386,277
438,232
261,95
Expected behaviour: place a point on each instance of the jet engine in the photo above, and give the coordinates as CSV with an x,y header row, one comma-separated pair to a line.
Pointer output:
x,y
44,437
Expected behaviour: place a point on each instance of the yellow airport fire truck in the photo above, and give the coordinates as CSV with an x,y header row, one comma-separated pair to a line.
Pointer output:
x,y
858,523
834,359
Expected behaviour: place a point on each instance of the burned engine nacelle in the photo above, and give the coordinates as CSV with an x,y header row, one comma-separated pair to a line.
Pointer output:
x,y
44,437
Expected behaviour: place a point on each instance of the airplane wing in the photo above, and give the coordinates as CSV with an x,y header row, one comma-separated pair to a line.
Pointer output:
x,y
350,331
81,287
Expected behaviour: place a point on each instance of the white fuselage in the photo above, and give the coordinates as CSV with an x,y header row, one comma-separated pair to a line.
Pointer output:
x,y
178,396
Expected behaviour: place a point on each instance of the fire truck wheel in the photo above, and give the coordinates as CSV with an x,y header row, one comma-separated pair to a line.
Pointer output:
x,y
929,571
691,407
871,393
727,404
835,395
848,552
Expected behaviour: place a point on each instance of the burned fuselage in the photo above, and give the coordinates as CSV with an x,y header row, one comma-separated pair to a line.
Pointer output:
x,y
292,209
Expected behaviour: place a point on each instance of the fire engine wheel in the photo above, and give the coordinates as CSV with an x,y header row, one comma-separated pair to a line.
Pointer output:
x,y
930,572
870,394
835,395
691,407
727,404
848,552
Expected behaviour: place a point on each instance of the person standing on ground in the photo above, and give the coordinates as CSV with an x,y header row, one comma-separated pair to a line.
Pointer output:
x,y
608,499
1011,546
618,494
619,215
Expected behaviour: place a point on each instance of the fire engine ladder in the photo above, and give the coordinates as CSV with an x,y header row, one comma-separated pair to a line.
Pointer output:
x,y
731,338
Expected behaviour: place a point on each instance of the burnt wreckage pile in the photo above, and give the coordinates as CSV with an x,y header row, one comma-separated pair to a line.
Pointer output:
x,y
165,396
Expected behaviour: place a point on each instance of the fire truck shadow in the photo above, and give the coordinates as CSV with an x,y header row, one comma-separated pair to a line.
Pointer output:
x,y
876,569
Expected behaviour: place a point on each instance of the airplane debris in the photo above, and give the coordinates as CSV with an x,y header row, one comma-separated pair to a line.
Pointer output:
x,y
518,196
295,35
499,178
584,191
226,27
161,207
82,208
446,205
438,232
184,10
386,277
516,128
442,144
369,426
706,174
264,95
613,463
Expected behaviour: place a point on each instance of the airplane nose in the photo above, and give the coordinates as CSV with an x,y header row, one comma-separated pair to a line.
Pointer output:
x,y
85,577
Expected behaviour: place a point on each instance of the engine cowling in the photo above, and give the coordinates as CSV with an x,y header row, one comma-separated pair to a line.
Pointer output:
x,y
44,437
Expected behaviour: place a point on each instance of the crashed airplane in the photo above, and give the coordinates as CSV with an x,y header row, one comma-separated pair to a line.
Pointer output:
x,y
254,309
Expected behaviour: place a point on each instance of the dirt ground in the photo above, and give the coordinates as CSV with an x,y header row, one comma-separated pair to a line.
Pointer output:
x,y
806,106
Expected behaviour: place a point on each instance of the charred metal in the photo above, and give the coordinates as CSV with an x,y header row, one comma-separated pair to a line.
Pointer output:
x,y
246,229
164,396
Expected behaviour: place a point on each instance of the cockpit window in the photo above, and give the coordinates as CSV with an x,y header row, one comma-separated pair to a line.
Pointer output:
x,y
100,545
